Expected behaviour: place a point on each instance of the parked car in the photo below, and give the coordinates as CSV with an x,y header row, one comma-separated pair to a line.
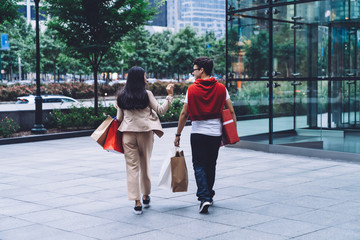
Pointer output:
x,y
46,99
91,82
117,82
151,80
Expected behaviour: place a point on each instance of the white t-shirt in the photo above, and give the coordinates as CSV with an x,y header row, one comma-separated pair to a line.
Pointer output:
x,y
210,127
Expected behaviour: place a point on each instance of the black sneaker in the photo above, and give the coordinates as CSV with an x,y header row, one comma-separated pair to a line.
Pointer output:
x,y
204,206
146,202
138,210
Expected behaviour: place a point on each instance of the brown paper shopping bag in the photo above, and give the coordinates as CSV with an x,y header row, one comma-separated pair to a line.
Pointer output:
x,y
99,135
179,174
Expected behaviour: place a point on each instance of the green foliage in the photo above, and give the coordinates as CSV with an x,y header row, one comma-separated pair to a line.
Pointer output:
x,y
256,55
22,44
92,27
8,127
173,112
84,117
80,90
8,10
159,88
79,118
184,49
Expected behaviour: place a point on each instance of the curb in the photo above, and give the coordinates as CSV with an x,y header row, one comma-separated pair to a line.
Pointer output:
x,y
55,136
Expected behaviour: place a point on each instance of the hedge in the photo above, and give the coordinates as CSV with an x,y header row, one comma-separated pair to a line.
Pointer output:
x,y
81,90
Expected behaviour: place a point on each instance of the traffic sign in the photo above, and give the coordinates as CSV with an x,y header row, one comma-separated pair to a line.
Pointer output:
x,y
4,42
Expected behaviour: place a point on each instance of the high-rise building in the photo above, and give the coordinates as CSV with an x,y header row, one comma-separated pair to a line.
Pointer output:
x,y
203,15
159,19
27,9
297,65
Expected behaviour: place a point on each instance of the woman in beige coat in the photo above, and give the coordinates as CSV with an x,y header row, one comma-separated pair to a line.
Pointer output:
x,y
136,110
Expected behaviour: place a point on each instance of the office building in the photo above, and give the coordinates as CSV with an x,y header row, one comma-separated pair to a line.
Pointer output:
x,y
294,68
202,15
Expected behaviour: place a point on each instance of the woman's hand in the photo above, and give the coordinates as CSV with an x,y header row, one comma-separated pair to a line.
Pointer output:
x,y
170,89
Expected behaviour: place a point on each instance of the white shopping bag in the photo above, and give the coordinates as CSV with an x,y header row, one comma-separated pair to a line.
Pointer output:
x,y
165,171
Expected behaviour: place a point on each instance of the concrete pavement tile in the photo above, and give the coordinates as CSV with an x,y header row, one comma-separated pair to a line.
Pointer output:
x,y
340,194
8,202
246,234
7,223
325,218
115,230
267,185
236,218
236,191
291,179
287,228
48,216
279,210
77,190
35,231
331,233
157,234
273,196
346,208
308,188
64,201
313,202
7,187
25,207
91,207
164,205
239,203
199,229
68,236
36,197
354,226
77,222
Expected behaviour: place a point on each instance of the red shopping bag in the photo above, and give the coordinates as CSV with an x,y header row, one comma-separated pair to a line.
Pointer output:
x,y
113,140
229,135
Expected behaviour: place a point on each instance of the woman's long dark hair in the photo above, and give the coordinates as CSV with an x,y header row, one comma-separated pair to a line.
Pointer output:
x,y
134,95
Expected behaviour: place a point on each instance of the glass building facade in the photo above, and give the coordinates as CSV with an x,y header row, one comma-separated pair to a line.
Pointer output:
x,y
293,70
203,15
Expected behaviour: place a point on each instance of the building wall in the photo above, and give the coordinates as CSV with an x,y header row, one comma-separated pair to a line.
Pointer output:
x,y
203,15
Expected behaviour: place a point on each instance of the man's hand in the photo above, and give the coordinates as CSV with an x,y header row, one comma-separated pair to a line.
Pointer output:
x,y
177,142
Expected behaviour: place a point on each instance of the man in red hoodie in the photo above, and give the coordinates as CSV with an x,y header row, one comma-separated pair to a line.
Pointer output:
x,y
204,102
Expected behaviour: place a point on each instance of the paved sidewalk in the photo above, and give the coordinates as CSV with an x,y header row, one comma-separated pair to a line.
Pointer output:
x,y
71,189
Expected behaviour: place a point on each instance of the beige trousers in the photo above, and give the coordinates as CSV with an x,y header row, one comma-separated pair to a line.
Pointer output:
x,y
137,149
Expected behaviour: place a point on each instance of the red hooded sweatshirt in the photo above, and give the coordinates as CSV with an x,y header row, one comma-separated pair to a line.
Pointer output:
x,y
206,99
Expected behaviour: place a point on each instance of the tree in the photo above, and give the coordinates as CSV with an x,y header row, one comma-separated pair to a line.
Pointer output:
x,y
91,27
184,49
21,41
214,48
51,47
256,58
159,63
137,48
8,10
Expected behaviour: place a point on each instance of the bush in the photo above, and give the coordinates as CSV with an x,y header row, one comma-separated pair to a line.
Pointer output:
x,y
84,117
81,90
8,127
174,111
79,118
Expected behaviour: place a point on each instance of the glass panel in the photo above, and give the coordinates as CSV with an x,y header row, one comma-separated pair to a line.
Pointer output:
x,y
251,105
248,45
284,46
241,4
355,9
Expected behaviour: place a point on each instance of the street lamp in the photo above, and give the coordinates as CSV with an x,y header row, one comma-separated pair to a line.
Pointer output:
x,y
38,127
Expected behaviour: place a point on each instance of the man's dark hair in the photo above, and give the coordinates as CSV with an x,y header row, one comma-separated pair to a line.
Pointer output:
x,y
134,95
206,63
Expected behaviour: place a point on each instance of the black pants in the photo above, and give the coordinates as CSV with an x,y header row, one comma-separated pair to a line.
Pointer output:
x,y
205,150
